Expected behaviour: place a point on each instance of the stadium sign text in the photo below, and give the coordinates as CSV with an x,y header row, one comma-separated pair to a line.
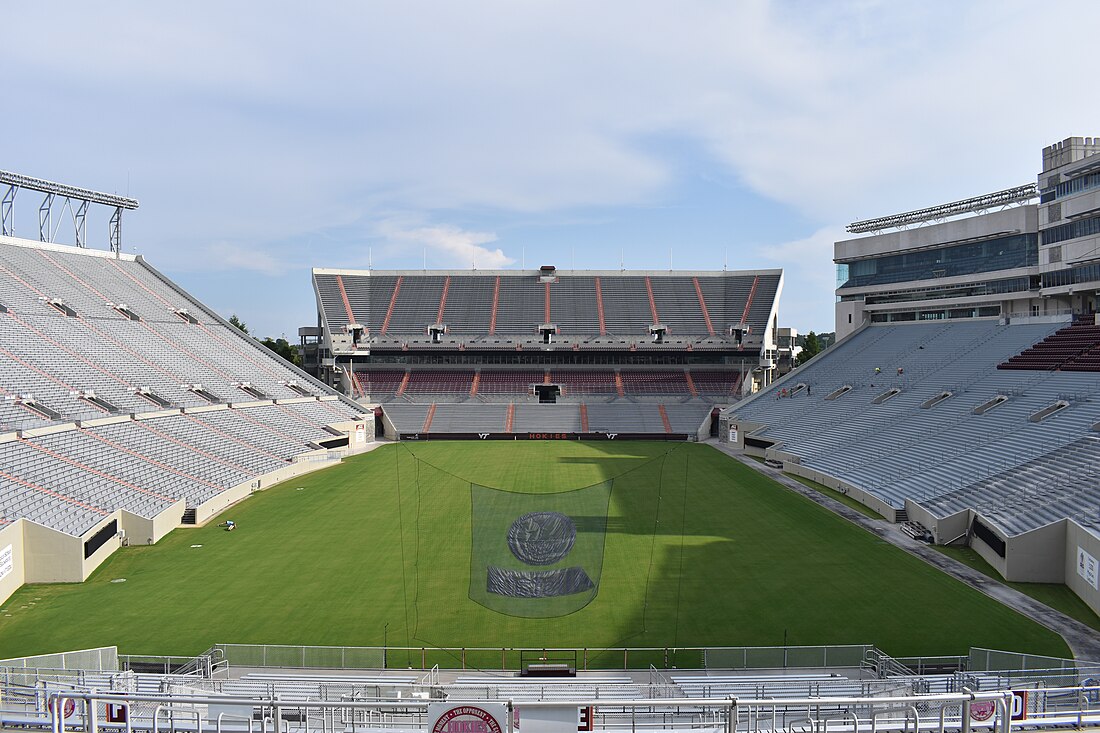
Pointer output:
x,y
1088,568
466,718
1019,704
7,562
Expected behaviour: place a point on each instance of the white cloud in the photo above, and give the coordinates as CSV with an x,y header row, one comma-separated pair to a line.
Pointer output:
x,y
262,124
224,255
809,278
302,116
458,247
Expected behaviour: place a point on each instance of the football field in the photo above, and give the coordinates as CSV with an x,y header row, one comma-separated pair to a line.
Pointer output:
x,y
443,545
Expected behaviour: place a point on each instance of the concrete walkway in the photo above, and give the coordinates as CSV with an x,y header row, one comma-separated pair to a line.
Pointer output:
x,y
1083,640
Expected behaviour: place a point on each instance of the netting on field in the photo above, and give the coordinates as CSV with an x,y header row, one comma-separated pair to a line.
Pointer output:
x,y
537,555
529,551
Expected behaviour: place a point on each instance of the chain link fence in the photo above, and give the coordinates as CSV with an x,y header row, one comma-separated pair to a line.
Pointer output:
x,y
101,659
505,658
782,657
1018,668
307,657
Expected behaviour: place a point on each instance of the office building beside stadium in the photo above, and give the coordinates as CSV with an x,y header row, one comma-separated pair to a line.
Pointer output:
x,y
1006,257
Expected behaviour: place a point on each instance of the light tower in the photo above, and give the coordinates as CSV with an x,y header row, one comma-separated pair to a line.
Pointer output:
x,y
75,201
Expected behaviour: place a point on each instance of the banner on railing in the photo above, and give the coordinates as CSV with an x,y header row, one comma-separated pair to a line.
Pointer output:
x,y
489,717
1019,704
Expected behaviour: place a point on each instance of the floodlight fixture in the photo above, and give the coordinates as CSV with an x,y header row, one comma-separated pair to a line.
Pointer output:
x,y
76,201
1007,197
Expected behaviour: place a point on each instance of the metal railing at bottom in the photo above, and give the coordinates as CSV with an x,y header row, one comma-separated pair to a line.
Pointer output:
x,y
997,712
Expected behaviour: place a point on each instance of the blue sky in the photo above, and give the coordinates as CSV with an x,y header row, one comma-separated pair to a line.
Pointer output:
x,y
266,138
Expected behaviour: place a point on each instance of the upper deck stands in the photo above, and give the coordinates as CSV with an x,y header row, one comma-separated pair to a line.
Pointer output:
x,y
626,305
117,330
515,303
574,305
469,306
415,305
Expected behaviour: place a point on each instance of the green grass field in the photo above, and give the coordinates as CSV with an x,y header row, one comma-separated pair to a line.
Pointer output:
x,y
699,551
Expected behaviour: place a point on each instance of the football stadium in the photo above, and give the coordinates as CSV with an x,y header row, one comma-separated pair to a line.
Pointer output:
x,y
557,500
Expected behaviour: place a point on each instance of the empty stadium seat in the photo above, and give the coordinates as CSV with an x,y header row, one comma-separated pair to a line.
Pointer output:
x,y
941,453
95,359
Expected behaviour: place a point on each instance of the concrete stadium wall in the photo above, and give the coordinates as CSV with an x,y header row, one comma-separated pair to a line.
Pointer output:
x,y
1037,556
168,520
949,530
88,565
703,433
12,575
43,555
792,464
1081,540
358,439
55,557
389,430
210,509
870,501
51,556
743,427
146,531
849,317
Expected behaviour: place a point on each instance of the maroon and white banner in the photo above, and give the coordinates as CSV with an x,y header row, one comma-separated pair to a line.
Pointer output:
x,y
484,717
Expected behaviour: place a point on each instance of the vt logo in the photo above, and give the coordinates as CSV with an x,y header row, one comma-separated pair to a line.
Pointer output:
x,y
537,555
